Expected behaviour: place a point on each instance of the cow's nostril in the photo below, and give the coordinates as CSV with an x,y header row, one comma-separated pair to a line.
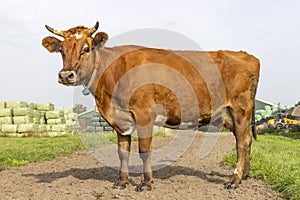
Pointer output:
x,y
71,75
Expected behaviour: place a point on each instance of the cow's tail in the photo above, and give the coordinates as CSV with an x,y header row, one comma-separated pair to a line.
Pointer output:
x,y
253,125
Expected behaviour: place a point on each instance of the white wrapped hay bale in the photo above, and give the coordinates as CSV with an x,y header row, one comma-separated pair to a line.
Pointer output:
x,y
54,114
68,110
72,116
258,117
42,113
28,128
2,104
22,120
37,120
55,134
69,128
6,120
51,121
52,134
42,120
6,112
62,128
36,114
23,112
21,135
71,122
17,104
37,117
9,128
42,128
49,128
60,120
44,106
57,128
43,117
31,106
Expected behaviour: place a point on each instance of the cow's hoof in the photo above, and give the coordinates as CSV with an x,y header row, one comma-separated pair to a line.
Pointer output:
x,y
143,188
121,185
231,186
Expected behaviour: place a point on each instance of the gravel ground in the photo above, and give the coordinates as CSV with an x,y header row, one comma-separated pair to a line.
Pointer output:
x,y
81,176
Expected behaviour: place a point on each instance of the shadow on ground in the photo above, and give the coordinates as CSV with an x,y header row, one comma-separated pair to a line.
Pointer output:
x,y
109,174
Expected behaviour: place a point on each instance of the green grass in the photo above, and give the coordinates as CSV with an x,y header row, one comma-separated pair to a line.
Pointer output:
x,y
16,152
275,160
293,133
100,139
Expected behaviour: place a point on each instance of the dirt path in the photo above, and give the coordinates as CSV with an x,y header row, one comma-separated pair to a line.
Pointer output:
x,y
81,176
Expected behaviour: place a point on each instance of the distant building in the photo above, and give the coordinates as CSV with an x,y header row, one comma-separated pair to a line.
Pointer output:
x,y
85,119
260,104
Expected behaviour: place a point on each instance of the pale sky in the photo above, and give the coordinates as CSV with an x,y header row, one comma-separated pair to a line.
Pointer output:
x,y
270,30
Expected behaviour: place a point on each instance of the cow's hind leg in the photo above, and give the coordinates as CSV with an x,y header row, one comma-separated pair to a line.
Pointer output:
x,y
243,137
145,148
124,142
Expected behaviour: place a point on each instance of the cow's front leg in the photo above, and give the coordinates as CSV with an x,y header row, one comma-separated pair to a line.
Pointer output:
x,y
124,143
145,149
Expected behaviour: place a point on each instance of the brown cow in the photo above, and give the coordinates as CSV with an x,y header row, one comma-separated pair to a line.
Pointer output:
x,y
136,87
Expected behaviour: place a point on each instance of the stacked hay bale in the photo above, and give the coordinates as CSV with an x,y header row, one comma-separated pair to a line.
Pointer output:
x,y
268,111
70,117
6,120
23,118
98,124
26,119
55,120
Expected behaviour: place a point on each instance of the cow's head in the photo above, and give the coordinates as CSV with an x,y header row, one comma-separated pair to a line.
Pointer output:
x,y
79,52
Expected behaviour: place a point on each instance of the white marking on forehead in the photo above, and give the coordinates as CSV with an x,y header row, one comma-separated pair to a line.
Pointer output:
x,y
78,36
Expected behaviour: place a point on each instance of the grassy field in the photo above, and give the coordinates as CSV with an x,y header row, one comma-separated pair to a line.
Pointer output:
x,y
16,152
276,161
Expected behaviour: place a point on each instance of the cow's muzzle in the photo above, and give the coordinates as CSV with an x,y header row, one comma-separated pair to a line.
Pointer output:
x,y
67,77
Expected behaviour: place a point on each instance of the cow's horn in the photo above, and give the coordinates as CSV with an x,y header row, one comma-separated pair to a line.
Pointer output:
x,y
94,29
56,32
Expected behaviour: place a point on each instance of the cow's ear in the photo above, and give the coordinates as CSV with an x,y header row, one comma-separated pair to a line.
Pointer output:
x,y
52,44
100,40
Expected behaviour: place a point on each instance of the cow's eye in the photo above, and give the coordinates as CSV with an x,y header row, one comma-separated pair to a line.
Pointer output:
x,y
61,50
86,50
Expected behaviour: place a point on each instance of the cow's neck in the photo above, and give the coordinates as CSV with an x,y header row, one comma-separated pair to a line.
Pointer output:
x,y
87,86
